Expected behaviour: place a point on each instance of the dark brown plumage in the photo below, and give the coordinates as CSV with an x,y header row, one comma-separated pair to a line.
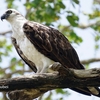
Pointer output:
x,y
52,44
24,58
55,46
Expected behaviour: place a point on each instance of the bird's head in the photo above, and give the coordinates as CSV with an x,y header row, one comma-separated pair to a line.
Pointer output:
x,y
10,14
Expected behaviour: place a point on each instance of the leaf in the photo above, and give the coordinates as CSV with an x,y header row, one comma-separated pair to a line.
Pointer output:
x,y
97,38
20,63
9,47
72,21
61,91
13,68
74,38
2,43
72,18
61,5
28,5
96,46
76,1
13,60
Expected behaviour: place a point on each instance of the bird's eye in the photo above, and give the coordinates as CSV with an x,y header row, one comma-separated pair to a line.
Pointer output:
x,y
9,12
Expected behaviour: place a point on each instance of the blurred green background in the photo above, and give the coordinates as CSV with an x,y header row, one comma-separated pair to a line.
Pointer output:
x,y
78,20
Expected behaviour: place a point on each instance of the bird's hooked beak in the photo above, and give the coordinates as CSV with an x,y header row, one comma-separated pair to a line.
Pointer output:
x,y
4,16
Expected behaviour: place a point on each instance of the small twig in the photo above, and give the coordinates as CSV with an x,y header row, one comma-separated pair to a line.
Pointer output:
x,y
90,61
4,33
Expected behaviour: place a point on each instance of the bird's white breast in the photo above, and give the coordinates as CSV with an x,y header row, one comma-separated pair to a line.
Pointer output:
x,y
42,63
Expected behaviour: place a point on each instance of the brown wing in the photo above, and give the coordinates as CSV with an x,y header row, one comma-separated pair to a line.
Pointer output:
x,y
55,46
52,44
28,62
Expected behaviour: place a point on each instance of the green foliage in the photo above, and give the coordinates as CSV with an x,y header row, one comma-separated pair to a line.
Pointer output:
x,y
95,14
76,1
46,11
95,17
75,38
10,3
5,48
72,18
49,12
61,91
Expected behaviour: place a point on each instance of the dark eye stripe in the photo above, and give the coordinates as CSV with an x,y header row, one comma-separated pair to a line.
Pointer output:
x,y
9,12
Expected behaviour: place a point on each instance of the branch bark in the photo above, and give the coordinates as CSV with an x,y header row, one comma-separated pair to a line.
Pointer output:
x,y
90,61
32,86
6,32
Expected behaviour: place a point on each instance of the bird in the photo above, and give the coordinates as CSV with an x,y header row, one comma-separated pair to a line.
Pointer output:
x,y
41,46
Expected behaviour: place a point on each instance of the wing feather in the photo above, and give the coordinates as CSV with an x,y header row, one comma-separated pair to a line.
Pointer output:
x,y
52,44
55,46
28,62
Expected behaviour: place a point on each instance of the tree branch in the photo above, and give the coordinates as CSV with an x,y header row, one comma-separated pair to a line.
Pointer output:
x,y
4,33
32,86
90,61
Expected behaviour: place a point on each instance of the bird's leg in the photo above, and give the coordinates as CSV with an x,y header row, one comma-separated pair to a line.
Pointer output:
x,y
44,70
58,68
55,67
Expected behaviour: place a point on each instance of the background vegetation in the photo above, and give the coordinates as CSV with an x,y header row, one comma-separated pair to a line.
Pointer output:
x,y
63,15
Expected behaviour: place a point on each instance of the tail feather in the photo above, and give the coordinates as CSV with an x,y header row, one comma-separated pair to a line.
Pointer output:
x,y
87,91
98,91
93,90
84,91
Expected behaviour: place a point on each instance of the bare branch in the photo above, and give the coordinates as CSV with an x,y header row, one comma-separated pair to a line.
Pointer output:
x,y
4,33
28,10
34,85
89,25
90,61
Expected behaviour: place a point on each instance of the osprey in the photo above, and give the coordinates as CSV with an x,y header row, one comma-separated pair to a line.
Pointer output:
x,y
41,46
